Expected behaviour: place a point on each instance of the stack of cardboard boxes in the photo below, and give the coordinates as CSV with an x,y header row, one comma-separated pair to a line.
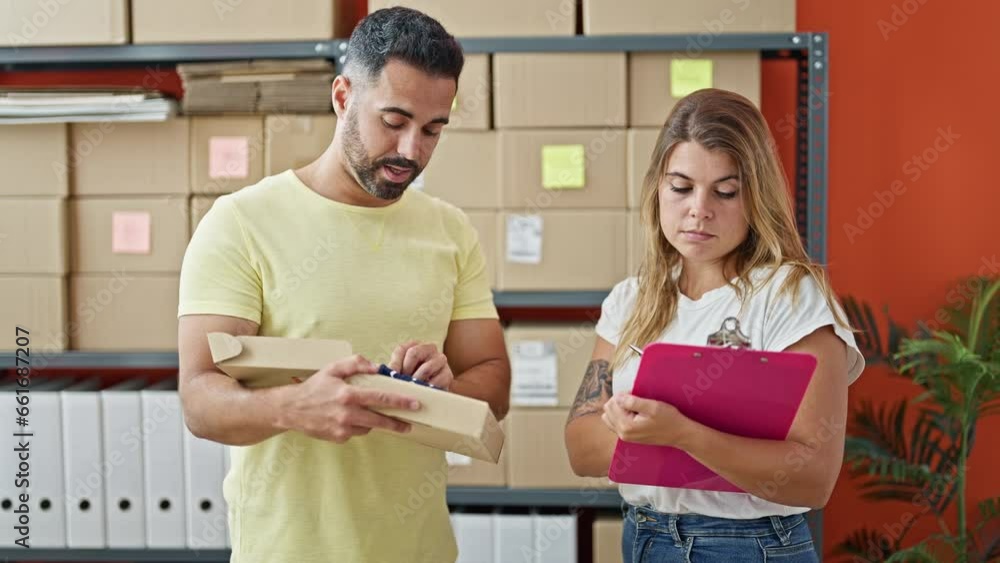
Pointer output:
x,y
33,254
128,231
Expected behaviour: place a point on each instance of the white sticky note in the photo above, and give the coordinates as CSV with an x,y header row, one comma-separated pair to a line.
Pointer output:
x,y
534,374
131,232
524,239
228,157
457,459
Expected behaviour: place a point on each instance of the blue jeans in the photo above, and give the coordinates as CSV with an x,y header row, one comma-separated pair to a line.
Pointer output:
x,y
655,537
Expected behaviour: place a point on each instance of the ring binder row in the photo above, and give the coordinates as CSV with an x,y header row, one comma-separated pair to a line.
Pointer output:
x,y
109,467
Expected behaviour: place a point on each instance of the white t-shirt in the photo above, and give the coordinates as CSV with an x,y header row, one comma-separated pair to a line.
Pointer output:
x,y
770,322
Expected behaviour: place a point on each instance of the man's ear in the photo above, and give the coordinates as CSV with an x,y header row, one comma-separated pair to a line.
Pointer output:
x,y
340,94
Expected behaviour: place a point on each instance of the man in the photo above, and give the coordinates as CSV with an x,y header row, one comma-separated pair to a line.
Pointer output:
x,y
342,249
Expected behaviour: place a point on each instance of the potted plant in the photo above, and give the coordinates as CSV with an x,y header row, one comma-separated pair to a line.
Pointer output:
x,y
916,450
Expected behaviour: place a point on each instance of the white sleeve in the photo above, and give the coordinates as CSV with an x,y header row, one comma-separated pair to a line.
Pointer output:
x,y
787,324
615,310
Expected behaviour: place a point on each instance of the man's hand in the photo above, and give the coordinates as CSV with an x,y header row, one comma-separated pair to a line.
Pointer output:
x,y
422,361
645,421
328,408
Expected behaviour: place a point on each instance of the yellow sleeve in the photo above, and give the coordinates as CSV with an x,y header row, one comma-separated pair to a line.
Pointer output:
x,y
473,296
220,274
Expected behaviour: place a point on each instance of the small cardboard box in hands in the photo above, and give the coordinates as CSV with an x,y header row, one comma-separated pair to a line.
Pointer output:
x,y
446,421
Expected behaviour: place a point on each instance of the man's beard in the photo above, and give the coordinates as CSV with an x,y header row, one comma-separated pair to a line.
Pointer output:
x,y
366,170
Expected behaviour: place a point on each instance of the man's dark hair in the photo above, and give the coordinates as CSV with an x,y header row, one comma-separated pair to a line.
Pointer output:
x,y
407,35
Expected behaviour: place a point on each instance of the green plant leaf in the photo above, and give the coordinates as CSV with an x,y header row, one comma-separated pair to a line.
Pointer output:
x,y
867,544
869,342
989,509
916,553
882,426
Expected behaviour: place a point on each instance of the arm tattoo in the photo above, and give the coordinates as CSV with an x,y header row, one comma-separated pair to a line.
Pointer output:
x,y
595,390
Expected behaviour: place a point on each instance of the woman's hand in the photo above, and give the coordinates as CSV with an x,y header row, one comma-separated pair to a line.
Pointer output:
x,y
645,421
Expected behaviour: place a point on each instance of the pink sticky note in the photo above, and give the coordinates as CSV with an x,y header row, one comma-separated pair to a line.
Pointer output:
x,y
229,157
130,232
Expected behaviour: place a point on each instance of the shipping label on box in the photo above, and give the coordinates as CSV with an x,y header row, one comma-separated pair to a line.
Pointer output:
x,y
535,374
524,239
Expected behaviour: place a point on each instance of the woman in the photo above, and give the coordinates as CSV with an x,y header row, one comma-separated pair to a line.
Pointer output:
x,y
721,244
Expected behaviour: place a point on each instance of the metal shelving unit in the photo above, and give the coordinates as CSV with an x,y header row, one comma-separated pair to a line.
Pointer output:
x,y
534,498
144,555
810,50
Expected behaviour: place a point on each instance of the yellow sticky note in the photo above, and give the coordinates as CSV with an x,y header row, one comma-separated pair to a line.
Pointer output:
x,y
563,167
689,75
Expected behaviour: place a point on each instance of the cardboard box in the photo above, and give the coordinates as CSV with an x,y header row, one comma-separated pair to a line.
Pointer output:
x,y
464,471
511,18
200,204
473,110
548,362
708,18
34,160
32,23
131,234
534,90
37,304
657,81
293,141
562,250
197,21
636,242
563,169
641,143
537,456
227,153
125,159
607,537
122,311
486,223
33,236
446,421
464,170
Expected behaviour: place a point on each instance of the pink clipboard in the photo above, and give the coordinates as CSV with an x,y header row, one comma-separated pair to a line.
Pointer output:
x,y
734,390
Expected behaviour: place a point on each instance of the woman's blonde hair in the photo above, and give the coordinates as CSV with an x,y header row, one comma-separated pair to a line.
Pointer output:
x,y
719,121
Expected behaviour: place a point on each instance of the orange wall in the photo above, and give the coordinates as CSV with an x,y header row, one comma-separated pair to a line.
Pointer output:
x,y
893,87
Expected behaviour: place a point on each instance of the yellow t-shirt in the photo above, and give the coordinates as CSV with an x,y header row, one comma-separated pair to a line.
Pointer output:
x,y
302,265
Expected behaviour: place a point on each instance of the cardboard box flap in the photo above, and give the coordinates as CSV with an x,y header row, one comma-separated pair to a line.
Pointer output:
x,y
445,420
224,346
267,361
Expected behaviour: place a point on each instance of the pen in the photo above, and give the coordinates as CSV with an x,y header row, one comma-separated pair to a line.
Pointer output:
x,y
388,371
635,349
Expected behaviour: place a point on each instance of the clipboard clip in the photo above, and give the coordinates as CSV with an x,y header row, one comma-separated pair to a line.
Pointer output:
x,y
729,335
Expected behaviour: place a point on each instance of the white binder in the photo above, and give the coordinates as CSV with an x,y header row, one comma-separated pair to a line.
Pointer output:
x,y
555,539
474,535
121,416
84,461
513,538
204,466
9,493
163,455
48,477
